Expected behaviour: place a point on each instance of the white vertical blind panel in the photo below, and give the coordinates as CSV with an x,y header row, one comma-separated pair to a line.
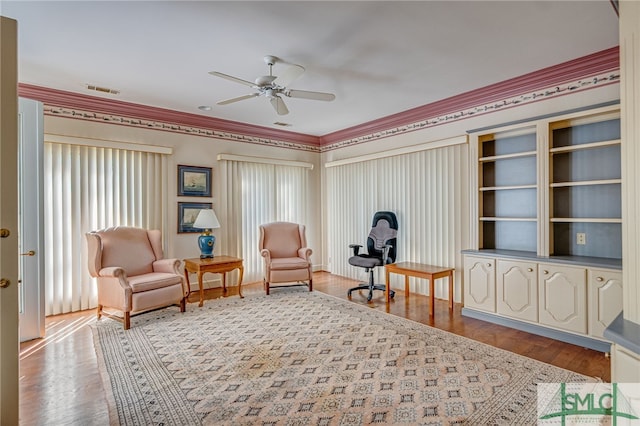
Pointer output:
x,y
258,206
86,189
424,189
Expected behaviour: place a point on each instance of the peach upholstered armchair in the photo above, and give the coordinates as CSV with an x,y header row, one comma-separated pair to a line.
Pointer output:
x,y
131,272
283,245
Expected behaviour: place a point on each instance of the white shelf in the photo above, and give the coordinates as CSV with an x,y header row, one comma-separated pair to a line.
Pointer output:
x,y
508,219
586,183
593,145
507,156
585,220
504,188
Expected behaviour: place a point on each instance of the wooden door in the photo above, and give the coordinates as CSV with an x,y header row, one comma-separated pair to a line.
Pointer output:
x,y
9,346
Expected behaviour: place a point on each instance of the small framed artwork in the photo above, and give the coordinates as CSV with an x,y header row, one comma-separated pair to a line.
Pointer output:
x,y
187,214
194,181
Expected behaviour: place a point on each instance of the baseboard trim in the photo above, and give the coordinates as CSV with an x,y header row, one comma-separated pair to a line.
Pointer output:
x,y
574,339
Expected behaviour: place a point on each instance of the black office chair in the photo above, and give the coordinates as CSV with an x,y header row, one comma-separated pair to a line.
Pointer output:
x,y
381,247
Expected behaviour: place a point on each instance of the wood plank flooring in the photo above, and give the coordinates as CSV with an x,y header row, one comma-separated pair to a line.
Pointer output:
x,y
60,382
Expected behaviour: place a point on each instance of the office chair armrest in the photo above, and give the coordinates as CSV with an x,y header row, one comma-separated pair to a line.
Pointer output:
x,y
387,248
356,248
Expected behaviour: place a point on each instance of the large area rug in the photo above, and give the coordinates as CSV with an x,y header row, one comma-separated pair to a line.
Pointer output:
x,y
306,358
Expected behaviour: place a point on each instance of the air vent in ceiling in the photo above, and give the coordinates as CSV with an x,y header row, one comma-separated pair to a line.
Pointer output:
x,y
103,89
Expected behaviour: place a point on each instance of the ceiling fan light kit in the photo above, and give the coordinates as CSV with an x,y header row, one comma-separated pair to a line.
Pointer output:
x,y
272,87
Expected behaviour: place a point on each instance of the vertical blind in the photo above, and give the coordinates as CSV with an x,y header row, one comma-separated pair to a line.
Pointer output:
x,y
89,188
257,193
425,189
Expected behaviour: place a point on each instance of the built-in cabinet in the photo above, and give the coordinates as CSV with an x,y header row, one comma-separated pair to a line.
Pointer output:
x,y
604,298
481,273
517,289
563,297
546,223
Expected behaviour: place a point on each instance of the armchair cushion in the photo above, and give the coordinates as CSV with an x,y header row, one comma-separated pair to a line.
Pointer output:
x,y
152,281
282,240
134,253
289,263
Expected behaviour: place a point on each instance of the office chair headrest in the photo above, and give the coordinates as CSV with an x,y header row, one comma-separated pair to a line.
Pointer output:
x,y
390,217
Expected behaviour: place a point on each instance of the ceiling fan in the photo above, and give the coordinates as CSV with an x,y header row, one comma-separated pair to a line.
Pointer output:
x,y
273,87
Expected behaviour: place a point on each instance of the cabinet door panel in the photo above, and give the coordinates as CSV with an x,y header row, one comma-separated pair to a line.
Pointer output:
x,y
517,290
480,282
563,298
605,299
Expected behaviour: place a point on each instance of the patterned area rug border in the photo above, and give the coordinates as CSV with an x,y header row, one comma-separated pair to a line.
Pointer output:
x,y
298,357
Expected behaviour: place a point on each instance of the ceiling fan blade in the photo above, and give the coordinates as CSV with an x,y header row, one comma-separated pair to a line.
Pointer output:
x,y
289,75
305,94
239,98
279,106
232,78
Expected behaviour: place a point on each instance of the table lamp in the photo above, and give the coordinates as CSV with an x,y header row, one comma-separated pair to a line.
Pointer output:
x,y
206,220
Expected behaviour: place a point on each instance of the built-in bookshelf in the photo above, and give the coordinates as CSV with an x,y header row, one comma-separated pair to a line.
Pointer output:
x,y
508,190
551,187
585,187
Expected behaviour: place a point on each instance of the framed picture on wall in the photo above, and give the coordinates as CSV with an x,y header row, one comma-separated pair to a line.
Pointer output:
x,y
187,214
194,181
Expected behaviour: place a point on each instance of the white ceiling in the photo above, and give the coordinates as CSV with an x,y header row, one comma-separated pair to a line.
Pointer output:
x,y
379,58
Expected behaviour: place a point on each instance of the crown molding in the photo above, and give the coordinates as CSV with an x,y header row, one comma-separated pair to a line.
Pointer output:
x,y
580,68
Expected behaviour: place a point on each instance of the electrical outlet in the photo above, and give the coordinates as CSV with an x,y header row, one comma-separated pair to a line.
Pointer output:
x,y
581,238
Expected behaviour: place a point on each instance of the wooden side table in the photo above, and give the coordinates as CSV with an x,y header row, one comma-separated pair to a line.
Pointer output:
x,y
420,270
216,265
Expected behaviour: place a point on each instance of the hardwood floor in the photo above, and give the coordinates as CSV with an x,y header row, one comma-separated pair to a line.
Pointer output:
x,y
60,382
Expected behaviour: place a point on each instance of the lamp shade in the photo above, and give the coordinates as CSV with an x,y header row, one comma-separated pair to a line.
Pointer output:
x,y
206,220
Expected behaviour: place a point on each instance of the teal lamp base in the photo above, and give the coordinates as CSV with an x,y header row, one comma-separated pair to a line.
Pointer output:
x,y
206,244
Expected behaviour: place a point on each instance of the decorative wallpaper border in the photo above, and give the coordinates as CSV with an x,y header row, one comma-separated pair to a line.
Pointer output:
x,y
77,114
600,80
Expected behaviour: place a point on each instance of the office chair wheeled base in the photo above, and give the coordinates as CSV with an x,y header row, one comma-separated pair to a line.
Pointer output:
x,y
371,286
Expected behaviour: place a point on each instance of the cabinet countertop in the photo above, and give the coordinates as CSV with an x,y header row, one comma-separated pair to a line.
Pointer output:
x,y
591,262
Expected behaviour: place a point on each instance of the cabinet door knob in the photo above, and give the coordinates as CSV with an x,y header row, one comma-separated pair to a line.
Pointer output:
x,y
4,283
489,265
599,279
530,269
545,272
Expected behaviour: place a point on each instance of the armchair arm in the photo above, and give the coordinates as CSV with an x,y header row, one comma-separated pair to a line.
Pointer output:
x,y
266,254
114,289
305,253
356,248
171,266
113,272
